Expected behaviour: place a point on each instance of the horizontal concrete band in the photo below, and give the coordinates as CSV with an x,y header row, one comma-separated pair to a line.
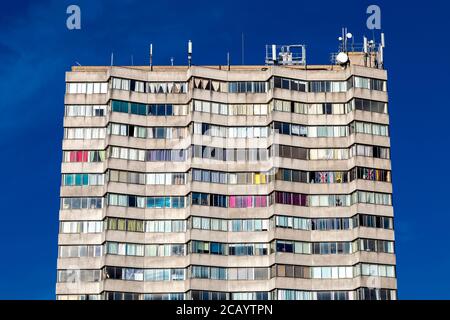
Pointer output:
x,y
230,286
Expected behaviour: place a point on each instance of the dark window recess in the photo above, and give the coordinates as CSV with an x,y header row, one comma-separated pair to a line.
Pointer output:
x,y
131,130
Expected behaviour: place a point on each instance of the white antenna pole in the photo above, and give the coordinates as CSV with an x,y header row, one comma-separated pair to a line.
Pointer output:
x,y
171,61
274,53
365,51
381,50
304,54
112,58
228,60
346,39
190,52
151,56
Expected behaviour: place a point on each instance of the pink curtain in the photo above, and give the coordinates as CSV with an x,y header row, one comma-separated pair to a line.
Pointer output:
x,y
249,202
232,201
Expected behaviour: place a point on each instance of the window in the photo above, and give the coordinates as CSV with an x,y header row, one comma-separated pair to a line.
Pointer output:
x,y
369,151
290,198
166,87
165,226
289,84
164,296
84,156
86,87
77,275
151,109
121,84
80,251
76,203
247,86
85,110
327,86
83,179
81,226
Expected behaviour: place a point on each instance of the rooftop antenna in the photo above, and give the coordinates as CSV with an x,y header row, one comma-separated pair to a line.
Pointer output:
x,y
228,61
292,54
344,39
171,61
342,57
348,36
274,54
151,56
190,53
381,51
365,49
112,58
132,62
371,46
344,42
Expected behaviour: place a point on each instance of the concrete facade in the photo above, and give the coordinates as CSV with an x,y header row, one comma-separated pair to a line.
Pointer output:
x,y
321,275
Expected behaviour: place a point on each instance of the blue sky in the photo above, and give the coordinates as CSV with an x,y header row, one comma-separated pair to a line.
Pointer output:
x,y
36,49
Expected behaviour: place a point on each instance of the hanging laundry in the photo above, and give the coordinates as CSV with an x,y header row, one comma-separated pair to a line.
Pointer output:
x,y
323,177
371,174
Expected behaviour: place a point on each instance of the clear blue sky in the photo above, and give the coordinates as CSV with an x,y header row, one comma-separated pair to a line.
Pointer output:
x,y
36,49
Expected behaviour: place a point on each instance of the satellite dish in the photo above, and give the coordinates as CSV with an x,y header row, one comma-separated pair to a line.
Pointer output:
x,y
349,35
342,58
340,38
